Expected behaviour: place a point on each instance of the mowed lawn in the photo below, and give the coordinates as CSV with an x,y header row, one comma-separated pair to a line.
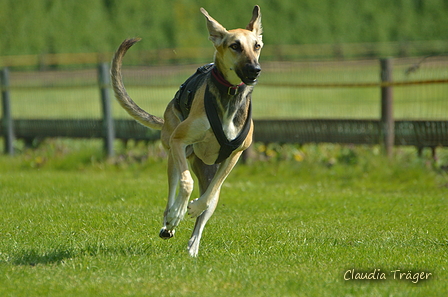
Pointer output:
x,y
298,224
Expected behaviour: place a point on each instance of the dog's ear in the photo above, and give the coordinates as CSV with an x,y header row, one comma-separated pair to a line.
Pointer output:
x,y
215,29
255,22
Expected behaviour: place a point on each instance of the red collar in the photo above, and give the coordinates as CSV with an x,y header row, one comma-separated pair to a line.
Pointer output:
x,y
223,85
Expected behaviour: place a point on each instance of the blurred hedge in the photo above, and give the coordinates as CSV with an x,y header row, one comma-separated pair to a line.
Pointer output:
x,y
74,26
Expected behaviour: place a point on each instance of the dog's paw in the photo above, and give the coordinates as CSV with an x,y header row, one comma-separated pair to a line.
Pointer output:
x,y
165,233
196,208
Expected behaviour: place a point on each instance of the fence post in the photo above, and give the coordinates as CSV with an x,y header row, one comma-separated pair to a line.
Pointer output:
x,y
108,121
7,122
387,110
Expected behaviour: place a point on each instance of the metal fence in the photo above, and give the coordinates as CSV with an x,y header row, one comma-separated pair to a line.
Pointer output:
x,y
400,101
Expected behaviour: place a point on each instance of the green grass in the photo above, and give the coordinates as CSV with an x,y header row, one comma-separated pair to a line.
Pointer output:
x,y
74,224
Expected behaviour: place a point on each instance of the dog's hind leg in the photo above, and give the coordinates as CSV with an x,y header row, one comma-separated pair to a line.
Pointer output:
x,y
197,206
167,231
205,174
208,201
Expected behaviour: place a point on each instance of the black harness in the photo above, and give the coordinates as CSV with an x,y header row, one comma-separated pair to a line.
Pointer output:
x,y
184,98
185,94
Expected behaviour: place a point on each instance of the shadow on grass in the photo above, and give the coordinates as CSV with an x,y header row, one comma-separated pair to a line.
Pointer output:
x,y
34,257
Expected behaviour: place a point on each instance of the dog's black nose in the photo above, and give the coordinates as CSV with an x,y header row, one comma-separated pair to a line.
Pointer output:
x,y
253,70
251,73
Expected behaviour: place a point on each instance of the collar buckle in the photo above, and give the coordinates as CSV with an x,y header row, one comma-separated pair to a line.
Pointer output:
x,y
233,90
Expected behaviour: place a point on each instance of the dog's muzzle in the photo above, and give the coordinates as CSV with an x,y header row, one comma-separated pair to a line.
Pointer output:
x,y
250,73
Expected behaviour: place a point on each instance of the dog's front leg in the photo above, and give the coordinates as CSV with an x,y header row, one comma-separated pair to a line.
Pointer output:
x,y
201,221
190,131
178,169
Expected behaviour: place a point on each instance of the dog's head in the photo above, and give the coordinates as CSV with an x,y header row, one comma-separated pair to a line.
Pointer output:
x,y
237,51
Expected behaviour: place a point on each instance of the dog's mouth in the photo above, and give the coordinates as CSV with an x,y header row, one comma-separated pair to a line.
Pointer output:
x,y
250,80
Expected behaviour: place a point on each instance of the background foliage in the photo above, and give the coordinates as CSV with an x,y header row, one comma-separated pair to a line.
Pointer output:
x,y
63,26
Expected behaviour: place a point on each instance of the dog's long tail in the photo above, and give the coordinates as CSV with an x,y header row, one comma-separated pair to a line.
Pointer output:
x,y
122,96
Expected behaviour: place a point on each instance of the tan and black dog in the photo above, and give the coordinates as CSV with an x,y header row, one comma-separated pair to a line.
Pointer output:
x,y
207,125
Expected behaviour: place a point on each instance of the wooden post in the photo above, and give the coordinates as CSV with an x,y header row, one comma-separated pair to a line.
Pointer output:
x,y
387,108
108,121
7,122
248,154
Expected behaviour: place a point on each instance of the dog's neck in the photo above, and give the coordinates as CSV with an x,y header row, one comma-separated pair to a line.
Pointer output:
x,y
224,85
227,73
232,103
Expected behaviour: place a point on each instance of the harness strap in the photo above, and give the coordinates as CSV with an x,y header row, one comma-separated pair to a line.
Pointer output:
x,y
184,96
227,147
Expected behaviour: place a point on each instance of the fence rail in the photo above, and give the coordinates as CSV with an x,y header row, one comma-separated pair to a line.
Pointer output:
x,y
384,130
413,133
270,53
417,133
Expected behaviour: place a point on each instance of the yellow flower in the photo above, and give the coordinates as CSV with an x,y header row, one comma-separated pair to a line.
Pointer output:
x,y
298,156
271,153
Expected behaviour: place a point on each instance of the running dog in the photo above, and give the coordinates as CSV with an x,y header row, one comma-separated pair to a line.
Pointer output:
x,y
207,125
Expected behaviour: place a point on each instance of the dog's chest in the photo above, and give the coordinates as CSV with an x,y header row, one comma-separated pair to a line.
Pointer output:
x,y
233,114
228,126
209,147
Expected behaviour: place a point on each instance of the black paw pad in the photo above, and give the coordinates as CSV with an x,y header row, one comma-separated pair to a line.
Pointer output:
x,y
166,234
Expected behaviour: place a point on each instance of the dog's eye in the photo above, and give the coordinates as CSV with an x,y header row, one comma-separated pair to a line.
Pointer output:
x,y
235,47
257,46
